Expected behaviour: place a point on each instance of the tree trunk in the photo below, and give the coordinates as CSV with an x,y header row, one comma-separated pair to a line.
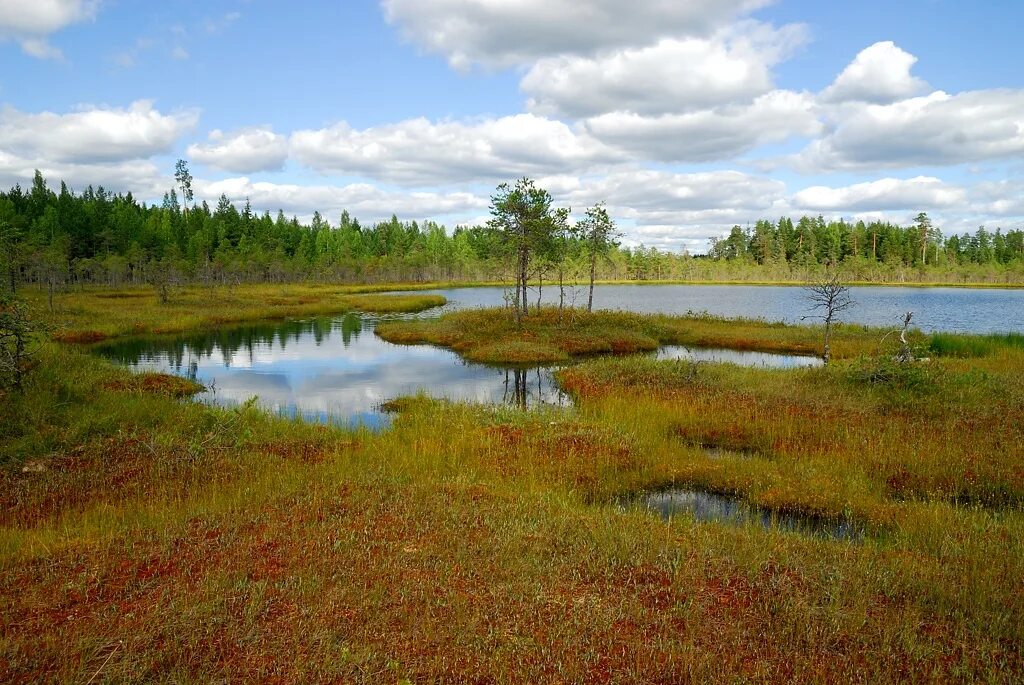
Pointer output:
x,y
827,352
561,290
593,275
523,264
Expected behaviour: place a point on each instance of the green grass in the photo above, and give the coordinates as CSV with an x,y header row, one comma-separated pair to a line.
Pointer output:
x,y
960,345
150,539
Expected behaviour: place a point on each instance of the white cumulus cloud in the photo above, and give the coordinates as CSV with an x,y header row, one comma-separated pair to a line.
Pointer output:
x,y
880,74
425,153
922,192
672,210
30,22
140,176
709,134
933,130
243,152
367,202
93,134
503,33
671,75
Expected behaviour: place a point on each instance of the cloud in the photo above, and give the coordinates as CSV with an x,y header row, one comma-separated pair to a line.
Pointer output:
x,y
672,210
671,75
1003,198
880,74
500,33
362,200
140,177
937,129
243,152
710,134
93,135
30,22
215,25
649,194
425,153
126,59
922,192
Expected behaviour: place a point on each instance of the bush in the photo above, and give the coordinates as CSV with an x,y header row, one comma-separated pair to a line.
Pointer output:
x,y
887,372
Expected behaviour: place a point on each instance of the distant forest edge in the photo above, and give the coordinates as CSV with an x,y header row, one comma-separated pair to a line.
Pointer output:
x,y
61,238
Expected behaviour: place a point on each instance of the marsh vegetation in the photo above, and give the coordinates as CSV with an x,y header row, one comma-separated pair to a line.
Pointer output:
x,y
147,537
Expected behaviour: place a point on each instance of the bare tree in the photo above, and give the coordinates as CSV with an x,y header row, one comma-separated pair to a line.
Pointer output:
x,y
832,297
163,275
18,342
905,354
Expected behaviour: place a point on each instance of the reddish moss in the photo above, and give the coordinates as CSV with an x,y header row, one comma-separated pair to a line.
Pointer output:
x,y
157,384
80,337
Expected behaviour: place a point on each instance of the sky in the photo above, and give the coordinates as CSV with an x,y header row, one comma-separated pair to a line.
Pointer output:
x,y
685,117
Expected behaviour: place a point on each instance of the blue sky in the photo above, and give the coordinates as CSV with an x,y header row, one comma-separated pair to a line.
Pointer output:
x,y
684,117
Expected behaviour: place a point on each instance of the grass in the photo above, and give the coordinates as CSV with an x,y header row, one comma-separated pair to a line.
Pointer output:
x,y
548,335
959,345
95,315
148,539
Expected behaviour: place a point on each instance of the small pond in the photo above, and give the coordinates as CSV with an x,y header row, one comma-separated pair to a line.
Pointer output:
x,y
768,360
708,506
329,369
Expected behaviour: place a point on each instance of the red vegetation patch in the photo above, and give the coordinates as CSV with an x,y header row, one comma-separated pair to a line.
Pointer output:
x,y
507,435
304,450
80,337
156,384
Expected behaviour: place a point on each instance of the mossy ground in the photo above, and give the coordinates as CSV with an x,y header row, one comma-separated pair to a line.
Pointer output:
x,y
149,539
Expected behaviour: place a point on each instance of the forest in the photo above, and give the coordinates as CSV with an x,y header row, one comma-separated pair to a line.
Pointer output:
x,y
64,238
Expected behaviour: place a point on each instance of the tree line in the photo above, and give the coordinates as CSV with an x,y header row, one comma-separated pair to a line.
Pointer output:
x,y
59,237
813,240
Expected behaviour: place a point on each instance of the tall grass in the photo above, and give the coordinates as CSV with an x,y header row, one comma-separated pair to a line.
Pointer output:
x,y
962,345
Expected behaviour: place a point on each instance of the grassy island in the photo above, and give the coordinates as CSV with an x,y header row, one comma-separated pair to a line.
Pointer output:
x,y
552,335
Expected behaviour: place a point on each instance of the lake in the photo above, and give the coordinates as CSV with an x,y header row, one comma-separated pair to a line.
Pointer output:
x,y
336,369
966,310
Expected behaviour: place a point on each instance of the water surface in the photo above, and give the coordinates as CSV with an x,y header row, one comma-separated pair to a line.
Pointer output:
x,y
708,506
965,310
336,369
329,369
768,360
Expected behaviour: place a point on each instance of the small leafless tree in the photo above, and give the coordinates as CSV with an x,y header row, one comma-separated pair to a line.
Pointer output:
x,y
831,297
905,354
163,275
18,342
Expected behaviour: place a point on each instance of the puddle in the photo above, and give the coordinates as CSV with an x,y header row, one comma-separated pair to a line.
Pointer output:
x,y
707,506
768,360
717,452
